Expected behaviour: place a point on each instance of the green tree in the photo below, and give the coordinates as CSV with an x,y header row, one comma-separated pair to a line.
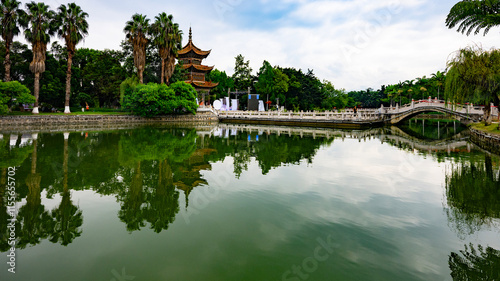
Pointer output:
x,y
333,98
158,99
225,83
10,17
136,31
73,27
265,83
474,15
13,93
438,79
39,24
280,86
473,76
242,73
96,77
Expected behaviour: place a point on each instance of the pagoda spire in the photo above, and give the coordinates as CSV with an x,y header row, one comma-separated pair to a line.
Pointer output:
x,y
190,34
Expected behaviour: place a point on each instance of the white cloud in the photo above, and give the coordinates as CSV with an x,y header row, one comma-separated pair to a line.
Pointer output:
x,y
355,44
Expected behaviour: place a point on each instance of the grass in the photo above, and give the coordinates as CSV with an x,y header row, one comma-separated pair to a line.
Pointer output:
x,y
491,129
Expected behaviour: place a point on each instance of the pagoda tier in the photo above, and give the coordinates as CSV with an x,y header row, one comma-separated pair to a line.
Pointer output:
x,y
191,58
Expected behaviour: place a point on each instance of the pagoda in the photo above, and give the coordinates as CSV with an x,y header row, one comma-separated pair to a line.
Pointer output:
x,y
191,58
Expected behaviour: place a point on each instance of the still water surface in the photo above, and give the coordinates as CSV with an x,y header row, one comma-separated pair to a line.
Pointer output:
x,y
252,203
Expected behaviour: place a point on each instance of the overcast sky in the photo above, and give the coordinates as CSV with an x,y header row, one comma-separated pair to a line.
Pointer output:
x,y
356,44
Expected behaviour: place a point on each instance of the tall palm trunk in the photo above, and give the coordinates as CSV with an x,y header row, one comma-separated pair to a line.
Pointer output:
x,y
162,79
68,83
36,92
7,62
170,67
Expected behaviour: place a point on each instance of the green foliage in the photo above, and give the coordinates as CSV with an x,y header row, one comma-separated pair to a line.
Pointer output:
x,y
13,90
474,15
127,87
272,83
242,73
225,83
474,76
304,90
265,83
333,98
154,99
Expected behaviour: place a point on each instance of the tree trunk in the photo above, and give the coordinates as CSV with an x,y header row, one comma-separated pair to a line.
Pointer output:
x,y
162,79
140,72
36,92
487,114
7,62
68,83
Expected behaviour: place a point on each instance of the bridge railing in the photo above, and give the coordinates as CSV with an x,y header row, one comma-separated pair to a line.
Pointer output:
x,y
457,108
349,114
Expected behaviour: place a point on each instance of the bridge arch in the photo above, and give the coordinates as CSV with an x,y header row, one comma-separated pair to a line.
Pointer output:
x,y
397,117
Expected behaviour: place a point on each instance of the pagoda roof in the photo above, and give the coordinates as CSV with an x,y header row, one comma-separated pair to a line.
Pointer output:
x,y
198,67
203,84
190,47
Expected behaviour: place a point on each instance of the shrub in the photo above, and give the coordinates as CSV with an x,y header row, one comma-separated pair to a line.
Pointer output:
x,y
127,87
154,100
13,93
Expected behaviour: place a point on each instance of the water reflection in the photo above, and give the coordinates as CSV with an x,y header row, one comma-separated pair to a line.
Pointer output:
x,y
67,218
433,129
148,169
475,264
472,194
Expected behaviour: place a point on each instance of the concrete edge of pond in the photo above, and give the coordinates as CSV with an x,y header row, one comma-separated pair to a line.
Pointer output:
x,y
485,140
59,123
68,123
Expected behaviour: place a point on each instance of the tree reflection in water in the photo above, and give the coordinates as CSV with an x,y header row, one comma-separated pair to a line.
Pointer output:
x,y
471,264
33,220
473,195
67,219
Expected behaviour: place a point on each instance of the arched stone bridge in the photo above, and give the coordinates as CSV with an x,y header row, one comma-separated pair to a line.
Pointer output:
x,y
362,117
464,113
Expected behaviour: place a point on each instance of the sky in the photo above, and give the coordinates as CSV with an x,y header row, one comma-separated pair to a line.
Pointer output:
x,y
355,44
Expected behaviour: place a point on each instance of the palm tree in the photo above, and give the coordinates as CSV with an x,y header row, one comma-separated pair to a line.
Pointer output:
x,y
175,41
474,15
438,78
9,17
136,31
72,28
161,30
168,39
39,24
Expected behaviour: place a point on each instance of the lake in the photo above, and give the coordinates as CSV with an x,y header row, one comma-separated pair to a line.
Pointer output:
x,y
241,202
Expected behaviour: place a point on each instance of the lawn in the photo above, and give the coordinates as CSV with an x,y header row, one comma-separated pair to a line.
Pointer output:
x,y
492,129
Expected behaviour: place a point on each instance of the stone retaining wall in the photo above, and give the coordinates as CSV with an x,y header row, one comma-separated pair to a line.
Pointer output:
x,y
486,141
85,122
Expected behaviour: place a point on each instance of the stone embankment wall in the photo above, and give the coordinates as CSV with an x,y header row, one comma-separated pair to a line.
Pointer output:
x,y
486,141
98,122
